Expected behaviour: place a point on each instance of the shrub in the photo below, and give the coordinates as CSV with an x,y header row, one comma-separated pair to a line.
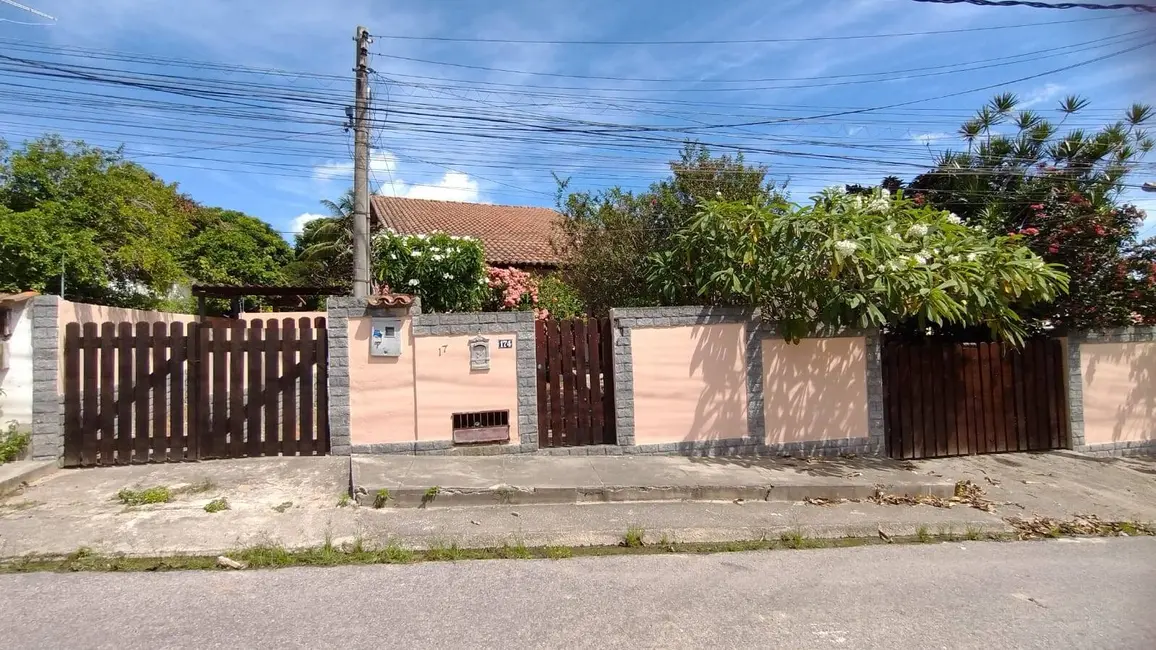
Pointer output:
x,y
446,271
13,442
558,299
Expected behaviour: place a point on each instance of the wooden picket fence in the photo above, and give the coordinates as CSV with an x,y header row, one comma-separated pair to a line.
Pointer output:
x,y
575,383
136,393
954,399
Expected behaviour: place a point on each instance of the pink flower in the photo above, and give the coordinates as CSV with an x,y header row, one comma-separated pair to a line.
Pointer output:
x,y
1031,232
1100,232
1037,206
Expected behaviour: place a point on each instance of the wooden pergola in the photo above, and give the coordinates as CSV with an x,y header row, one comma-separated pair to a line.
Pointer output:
x,y
236,292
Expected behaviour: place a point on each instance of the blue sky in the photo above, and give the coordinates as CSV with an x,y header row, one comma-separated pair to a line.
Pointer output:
x,y
450,130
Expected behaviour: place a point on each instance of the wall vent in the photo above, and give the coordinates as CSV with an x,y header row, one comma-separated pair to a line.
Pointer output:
x,y
481,426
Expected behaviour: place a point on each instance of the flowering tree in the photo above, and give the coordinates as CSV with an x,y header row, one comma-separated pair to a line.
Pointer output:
x,y
448,272
511,289
855,261
1061,192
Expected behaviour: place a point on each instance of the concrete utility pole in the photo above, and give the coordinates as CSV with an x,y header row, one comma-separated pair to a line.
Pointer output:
x,y
361,167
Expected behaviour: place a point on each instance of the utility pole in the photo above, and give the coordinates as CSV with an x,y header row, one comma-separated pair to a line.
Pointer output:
x,y
361,167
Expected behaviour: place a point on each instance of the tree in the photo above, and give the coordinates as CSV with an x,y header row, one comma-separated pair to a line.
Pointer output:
x,y
853,261
608,235
448,272
229,247
1060,192
324,249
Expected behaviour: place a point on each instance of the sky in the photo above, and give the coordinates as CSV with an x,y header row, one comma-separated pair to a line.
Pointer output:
x,y
242,103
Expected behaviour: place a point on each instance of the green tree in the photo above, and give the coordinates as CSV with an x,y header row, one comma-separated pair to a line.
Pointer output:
x,y
448,272
324,249
1060,192
229,247
853,261
607,236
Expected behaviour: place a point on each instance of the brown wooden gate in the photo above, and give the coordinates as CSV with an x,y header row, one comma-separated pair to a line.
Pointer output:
x,y
166,392
575,383
956,399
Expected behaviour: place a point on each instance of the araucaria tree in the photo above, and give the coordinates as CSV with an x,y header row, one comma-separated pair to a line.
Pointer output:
x,y
1060,193
854,261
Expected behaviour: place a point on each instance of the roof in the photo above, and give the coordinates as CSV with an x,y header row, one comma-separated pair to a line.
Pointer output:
x,y
391,300
510,234
7,299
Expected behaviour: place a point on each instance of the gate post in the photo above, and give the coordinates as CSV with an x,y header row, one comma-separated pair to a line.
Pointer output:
x,y
47,419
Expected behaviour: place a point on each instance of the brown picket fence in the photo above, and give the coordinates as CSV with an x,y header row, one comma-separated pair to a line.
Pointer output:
x,y
575,383
956,399
154,392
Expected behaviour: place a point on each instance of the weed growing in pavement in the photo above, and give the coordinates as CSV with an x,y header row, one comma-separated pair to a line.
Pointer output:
x,y
796,539
504,495
922,534
13,442
431,493
217,505
517,551
634,538
344,500
394,554
972,533
156,494
559,552
439,551
381,498
282,507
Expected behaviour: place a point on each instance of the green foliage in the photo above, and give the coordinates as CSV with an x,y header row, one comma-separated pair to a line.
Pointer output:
x,y
448,272
323,251
156,494
381,498
229,247
217,505
559,298
853,261
13,443
1060,190
607,236
635,537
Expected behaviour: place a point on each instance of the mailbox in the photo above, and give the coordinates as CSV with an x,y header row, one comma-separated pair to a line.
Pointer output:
x,y
385,339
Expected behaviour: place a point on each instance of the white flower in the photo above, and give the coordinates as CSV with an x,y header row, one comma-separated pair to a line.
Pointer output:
x,y
857,202
887,229
880,268
878,205
954,258
414,282
846,246
421,236
885,193
416,253
972,256
447,276
481,280
718,194
438,258
920,259
837,189
917,230
977,228
954,218
435,249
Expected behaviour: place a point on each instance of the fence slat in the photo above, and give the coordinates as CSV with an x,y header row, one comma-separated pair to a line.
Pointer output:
x,y
307,395
218,439
998,402
555,347
157,390
1019,382
321,355
73,426
107,394
141,385
989,414
597,412
89,423
926,413
1053,386
569,409
288,388
1060,379
272,385
201,437
237,390
255,399
952,422
541,373
177,440
935,420
581,394
124,392
908,379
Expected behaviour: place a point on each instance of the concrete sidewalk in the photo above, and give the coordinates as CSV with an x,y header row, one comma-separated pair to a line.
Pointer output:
x,y
536,480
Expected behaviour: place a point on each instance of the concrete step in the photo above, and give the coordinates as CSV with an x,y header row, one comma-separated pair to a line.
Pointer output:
x,y
418,481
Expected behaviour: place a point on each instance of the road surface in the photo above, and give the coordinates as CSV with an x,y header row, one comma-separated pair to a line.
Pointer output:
x,y
1061,594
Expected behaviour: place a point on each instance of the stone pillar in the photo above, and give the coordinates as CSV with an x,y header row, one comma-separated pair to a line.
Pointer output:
x,y
47,412
1075,394
338,310
876,428
623,378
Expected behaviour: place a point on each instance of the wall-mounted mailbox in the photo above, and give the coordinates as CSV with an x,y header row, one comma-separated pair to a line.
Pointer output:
x,y
385,339
479,353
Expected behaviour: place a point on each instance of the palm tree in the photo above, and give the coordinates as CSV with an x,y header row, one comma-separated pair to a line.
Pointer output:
x,y
325,246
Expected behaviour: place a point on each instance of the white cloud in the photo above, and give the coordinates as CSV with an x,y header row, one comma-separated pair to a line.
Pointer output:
x,y
384,173
297,224
380,162
1045,93
453,186
930,138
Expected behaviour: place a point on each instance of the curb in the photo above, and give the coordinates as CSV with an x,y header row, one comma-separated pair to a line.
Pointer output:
x,y
409,497
25,472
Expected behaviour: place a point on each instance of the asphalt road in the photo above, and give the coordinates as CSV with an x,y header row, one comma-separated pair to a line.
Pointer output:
x,y
1065,594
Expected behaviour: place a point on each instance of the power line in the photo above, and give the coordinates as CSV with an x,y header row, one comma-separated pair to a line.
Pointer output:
x,y
748,41
1044,5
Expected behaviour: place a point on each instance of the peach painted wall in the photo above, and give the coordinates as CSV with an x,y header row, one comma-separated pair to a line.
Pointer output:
x,y
689,383
79,312
381,389
815,390
1119,391
446,385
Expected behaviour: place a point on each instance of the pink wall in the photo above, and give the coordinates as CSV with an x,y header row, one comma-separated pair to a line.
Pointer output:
x,y
814,390
446,385
79,312
689,383
381,389
1119,391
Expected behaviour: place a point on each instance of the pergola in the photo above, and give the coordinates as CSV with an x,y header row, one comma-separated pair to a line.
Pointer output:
x,y
236,292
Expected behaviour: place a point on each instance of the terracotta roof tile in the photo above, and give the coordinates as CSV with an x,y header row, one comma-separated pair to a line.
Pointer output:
x,y
510,234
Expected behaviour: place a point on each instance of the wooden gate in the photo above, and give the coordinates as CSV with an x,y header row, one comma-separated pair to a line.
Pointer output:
x,y
955,399
575,383
166,392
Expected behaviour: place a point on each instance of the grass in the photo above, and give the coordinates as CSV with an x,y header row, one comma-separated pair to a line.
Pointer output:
x,y
217,505
145,496
344,500
431,493
634,538
381,498
972,533
796,539
517,551
13,442
923,535
558,552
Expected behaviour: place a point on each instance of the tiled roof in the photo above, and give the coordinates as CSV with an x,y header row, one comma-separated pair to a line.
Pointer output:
x,y
510,234
391,300
13,298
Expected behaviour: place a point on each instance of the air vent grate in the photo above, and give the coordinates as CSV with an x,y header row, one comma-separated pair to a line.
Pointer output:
x,y
481,426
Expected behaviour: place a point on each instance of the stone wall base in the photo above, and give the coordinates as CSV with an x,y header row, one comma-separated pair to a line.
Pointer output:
x,y
736,447
1129,448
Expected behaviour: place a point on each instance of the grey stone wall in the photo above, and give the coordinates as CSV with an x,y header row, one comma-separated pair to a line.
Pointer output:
x,y
519,324
47,407
1076,391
